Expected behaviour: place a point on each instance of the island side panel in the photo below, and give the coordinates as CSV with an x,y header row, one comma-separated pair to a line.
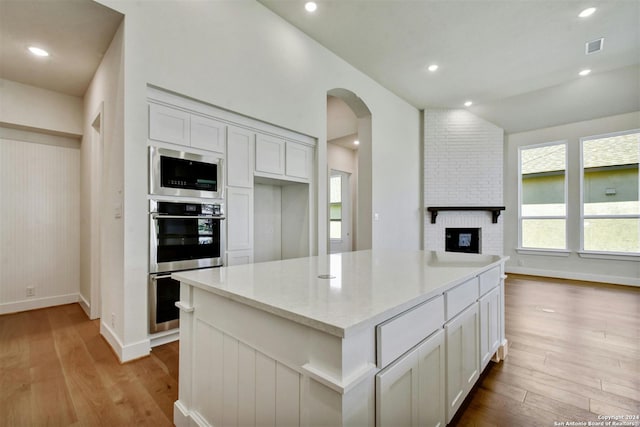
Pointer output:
x,y
244,366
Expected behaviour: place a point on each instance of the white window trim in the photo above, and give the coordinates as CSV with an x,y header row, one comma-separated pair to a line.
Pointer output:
x,y
618,256
542,251
546,252
611,255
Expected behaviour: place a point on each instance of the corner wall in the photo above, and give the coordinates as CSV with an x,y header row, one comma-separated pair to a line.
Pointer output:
x,y
571,266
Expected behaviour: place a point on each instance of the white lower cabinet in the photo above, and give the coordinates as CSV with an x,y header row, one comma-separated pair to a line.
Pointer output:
x,y
489,306
411,391
462,357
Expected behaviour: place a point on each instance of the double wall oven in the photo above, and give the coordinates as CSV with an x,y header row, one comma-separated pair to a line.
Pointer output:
x,y
183,233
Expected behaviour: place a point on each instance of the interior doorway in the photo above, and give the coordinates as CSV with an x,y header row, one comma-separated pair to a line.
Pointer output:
x,y
349,150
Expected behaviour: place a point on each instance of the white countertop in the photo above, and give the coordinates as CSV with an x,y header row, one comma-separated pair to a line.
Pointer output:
x,y
367,286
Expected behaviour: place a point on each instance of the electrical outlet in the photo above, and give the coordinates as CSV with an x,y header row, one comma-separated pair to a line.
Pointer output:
x,y
113,320
31,291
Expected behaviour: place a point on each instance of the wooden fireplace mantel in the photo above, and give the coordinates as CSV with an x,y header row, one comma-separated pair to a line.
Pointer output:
x,y
495,211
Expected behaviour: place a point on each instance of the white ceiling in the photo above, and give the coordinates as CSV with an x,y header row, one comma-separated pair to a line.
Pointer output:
x,y
517,60
76,33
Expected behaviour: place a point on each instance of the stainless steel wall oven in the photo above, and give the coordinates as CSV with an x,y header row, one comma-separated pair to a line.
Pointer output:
x,y
182,235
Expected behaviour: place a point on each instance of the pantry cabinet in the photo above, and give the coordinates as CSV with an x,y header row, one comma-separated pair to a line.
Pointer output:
x,y
240,157
239,219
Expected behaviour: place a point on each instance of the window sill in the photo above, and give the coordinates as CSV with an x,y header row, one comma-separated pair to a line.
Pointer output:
x,y
618,256
545,252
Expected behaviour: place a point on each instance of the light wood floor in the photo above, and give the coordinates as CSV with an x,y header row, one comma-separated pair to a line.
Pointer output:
x,y
574,354
56,370
570,364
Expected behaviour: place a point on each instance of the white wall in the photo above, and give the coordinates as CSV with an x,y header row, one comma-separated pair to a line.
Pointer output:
x,y
102,193
573,267
39,173
39,220
463,166
30,107
258,65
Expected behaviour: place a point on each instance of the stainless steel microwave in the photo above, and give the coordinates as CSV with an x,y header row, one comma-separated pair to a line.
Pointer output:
x,y
181,173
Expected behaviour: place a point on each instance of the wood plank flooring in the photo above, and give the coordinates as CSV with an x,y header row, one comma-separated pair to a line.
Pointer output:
x,y
574,354
56,370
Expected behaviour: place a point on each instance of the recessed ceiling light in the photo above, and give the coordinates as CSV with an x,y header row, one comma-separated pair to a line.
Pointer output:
x,y
587,12
356,142
310,6
585,72
432,67
468,104
37,51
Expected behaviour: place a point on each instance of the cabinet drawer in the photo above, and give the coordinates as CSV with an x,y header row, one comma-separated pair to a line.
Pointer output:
x,y
461,297
489,280
399,334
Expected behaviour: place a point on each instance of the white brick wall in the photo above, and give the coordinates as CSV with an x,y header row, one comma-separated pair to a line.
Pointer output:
x,y
463,166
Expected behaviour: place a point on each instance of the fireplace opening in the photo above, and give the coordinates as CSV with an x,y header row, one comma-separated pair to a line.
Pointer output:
x,y
462,240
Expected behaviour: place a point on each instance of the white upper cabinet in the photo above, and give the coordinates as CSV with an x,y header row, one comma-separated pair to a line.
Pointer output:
x,y
270,154
284,159
180,127
299,160
240,157
168,124
208,134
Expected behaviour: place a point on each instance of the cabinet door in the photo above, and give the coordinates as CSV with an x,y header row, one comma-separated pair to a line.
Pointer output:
x,y
299,161
269,154
168,124
239,219
489,306
431,380
411,391
208,134
397,392
240,157
462,357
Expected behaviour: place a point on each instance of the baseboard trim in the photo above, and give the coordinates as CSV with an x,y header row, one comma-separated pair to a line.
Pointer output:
x,y
86,306
125,353
616,280
36,303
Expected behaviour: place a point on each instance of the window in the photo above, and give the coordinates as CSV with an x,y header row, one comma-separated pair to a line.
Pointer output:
x,y
335,207
543,189
610,206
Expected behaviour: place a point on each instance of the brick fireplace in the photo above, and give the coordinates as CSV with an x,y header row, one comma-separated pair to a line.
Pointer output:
x,y
463,166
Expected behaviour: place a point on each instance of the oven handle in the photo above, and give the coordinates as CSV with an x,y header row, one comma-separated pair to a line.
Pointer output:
x,y
162,216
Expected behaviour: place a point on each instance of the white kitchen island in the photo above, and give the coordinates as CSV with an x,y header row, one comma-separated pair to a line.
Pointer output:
x,y
355,339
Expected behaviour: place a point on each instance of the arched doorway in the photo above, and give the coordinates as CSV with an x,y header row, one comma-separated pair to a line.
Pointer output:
x,y
349,172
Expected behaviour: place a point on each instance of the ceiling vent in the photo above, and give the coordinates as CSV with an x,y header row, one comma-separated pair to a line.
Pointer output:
x,y
594,46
